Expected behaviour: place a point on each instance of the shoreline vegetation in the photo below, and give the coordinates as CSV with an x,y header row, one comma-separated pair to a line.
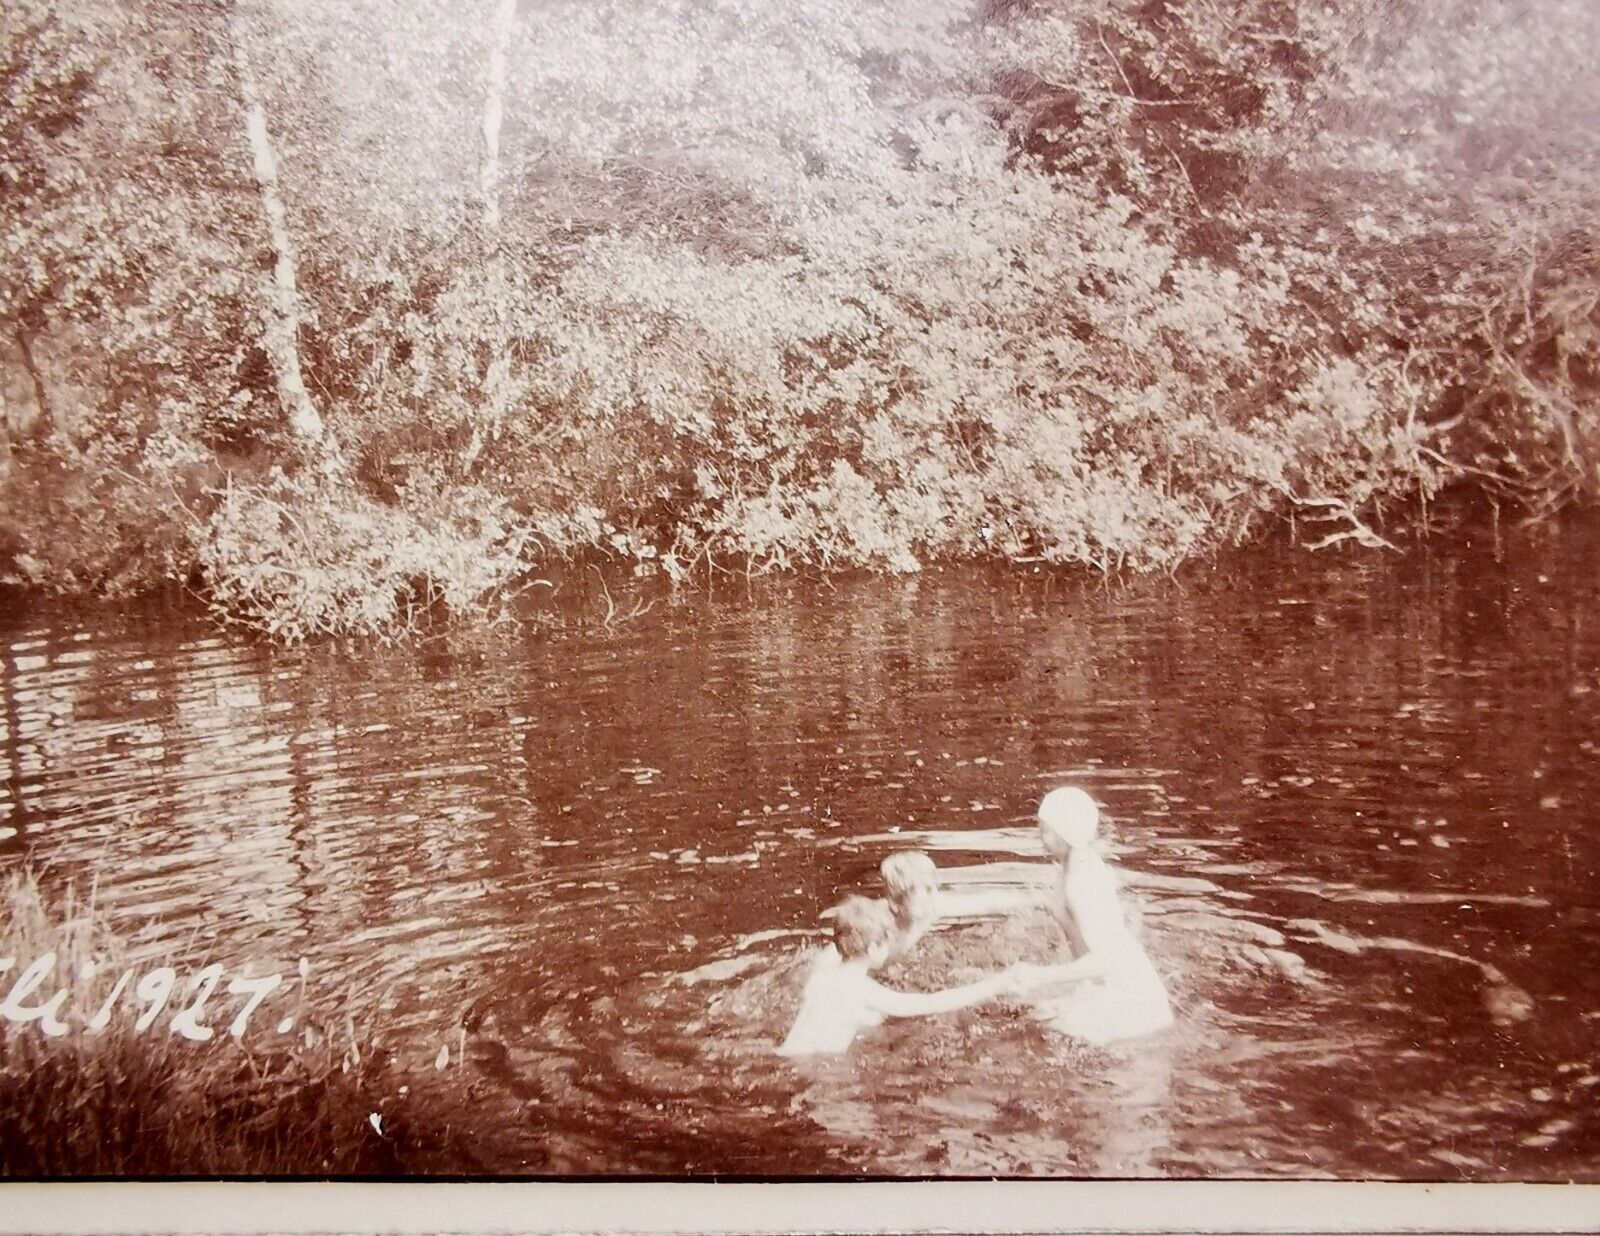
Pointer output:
x,y
341,315
120,1103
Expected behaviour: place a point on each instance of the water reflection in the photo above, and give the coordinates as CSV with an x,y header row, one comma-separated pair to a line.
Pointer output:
x,y
593,859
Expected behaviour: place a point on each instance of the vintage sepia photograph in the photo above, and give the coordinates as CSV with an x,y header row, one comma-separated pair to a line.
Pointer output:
x,y
800,590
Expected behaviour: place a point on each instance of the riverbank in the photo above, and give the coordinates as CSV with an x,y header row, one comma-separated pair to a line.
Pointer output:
x,y
608,581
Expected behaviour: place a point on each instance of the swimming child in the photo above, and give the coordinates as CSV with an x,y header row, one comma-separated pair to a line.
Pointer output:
x,y
841,997
911,886
1127,998
911,883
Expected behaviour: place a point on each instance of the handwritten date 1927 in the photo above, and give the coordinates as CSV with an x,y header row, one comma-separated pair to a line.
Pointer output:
x,y
154,990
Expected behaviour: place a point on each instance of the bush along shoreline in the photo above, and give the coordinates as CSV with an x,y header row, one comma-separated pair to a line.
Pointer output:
x,y
108,1096
298,313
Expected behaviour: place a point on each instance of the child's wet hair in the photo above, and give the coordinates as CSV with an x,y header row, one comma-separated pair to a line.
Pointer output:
x,y
860,924
910,871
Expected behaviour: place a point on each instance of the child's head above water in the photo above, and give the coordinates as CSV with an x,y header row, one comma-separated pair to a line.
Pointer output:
x,y
911,880
1068,818
863,927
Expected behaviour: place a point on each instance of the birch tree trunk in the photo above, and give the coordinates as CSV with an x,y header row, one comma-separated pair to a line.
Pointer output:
x,y
493,108
41,393
282,317
496,379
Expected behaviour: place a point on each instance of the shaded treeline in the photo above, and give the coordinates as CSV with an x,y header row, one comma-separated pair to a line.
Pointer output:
x,y
342,309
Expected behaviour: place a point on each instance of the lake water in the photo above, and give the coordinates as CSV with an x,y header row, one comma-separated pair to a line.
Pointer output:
x,y
593,856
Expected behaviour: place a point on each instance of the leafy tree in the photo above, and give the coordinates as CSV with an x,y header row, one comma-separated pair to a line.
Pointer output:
x,y
697,281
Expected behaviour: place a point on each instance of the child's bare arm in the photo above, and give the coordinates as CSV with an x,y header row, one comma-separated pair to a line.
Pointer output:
x,y
893,1003
987,903
1090,965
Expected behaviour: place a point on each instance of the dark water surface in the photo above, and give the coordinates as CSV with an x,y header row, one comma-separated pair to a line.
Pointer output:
x,y
603,851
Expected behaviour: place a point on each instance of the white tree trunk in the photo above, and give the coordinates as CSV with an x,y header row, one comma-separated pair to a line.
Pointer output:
x,y
496,380
493,109
282,318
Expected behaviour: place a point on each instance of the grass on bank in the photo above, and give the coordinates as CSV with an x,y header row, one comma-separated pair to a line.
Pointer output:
x,y
124,1103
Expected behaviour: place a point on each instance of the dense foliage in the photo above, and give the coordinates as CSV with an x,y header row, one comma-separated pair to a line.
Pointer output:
x,y
348,306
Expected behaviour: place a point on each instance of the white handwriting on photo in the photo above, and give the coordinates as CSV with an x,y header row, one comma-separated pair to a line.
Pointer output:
x,y
154,991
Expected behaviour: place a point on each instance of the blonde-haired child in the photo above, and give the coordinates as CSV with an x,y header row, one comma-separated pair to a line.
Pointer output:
x,y
841,997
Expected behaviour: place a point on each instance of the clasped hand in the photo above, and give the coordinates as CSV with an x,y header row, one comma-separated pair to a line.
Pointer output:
x,y
1022,977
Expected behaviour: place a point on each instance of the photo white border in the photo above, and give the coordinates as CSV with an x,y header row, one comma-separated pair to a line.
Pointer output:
x,y
1009,1207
